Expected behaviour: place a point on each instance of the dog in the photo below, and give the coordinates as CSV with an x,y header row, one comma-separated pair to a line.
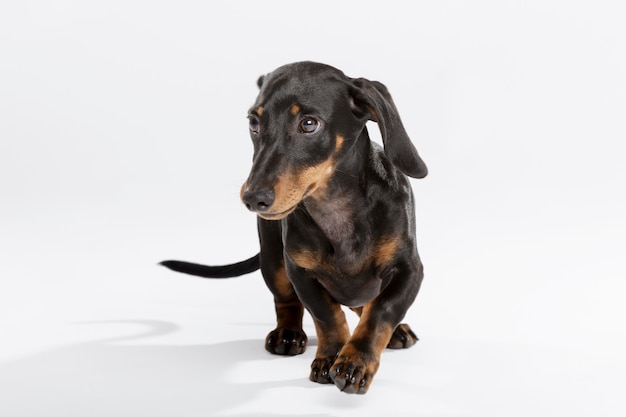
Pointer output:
x,y
336,219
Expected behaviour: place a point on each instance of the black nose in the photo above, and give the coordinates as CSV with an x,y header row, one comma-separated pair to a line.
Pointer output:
x,y
258,201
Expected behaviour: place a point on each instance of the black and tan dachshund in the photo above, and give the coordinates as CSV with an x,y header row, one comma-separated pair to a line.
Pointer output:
x,y
335,219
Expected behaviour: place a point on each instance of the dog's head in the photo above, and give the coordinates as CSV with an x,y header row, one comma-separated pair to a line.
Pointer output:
x,y
302,122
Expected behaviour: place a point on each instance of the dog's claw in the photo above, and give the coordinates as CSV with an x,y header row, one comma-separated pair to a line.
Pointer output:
x,y
320,370
353,375
288,342
402,338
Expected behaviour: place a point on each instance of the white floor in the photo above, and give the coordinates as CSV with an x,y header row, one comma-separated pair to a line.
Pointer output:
x,y
124,142
110,333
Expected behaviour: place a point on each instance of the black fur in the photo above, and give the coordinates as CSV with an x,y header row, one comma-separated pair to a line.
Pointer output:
x,y
225,271
336,218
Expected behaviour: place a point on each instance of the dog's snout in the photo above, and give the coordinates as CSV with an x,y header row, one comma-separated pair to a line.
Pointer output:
x,y
258,201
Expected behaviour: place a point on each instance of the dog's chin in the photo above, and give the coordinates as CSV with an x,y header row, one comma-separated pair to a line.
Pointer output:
x,y
277,216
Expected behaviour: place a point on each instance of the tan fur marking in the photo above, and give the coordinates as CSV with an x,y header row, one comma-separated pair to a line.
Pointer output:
x,y
317,176
260,110
283,285
363,351
305,259
339,142
289,309
338,336
292,186
357,310
295,109
288,193
380,338
386,250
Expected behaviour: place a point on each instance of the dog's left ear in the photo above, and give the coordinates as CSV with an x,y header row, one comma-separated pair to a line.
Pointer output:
x,y
373,100
259,82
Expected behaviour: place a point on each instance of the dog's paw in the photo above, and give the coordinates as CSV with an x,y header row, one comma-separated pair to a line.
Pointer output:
x,y
352,373
287,342
402,337
320,370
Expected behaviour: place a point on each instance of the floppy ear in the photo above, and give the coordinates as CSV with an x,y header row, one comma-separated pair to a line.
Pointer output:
x,y
373,98
259,82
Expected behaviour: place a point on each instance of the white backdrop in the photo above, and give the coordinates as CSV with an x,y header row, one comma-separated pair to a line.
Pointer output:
x,y
123,142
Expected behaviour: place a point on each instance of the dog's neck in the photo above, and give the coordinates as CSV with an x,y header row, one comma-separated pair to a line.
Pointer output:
x,y
333,214
339,209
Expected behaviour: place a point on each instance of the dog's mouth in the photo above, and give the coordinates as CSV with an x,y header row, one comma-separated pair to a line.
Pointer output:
x,y
309,190
282,214
277,216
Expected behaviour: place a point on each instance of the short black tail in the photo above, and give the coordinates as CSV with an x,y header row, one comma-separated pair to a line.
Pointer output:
x,y
224,271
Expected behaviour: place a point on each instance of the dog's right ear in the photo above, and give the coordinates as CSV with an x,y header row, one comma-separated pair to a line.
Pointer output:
x,y
259,82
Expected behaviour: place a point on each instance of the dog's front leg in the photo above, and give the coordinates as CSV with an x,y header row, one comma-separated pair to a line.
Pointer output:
x,y
329,319
287,338
359,359
332,334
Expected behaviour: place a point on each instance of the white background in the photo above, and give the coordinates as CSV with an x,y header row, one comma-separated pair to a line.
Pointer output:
x,y
123,142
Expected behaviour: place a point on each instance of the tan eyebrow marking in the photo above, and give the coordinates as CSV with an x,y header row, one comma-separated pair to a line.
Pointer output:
x,y
260,110
295,109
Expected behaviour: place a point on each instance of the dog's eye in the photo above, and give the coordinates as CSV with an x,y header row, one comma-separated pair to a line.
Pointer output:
x,y
255,126
309,125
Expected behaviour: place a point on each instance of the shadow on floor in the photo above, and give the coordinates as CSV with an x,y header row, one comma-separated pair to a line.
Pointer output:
x,y
108,378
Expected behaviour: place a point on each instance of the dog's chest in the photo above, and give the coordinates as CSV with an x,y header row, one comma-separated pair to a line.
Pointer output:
x,y
349,283
326,245
347,270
